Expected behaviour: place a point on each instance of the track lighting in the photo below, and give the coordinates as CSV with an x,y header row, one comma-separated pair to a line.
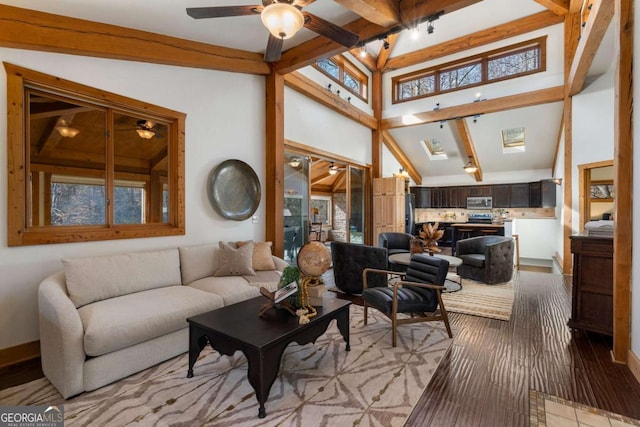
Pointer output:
x,y
442,122
430,28
437,107
386,44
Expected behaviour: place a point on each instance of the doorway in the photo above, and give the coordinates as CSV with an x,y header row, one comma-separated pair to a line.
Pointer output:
x,y
324,200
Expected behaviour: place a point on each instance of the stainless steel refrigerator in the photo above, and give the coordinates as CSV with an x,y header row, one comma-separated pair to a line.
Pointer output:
x,y
409,219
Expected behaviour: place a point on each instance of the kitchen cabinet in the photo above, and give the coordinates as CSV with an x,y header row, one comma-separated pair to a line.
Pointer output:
x,y
542,194
423,196
462,197
501,196
479,190
388,206
519,196
592,290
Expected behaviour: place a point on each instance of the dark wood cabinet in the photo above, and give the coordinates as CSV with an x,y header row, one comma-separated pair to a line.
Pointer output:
x,y
423,196
592,292
479,190
519,195
462,197
501,196
542,194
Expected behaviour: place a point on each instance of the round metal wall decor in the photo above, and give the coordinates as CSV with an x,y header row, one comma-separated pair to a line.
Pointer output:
x,y
234,190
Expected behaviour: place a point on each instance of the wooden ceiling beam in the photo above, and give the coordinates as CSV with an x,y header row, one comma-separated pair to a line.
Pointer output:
x,y
473,40
575,6
592,34
401,157
367,60
385,13
383,55
559,7
29,29
320,47
340,182
313,90
526,99
469,147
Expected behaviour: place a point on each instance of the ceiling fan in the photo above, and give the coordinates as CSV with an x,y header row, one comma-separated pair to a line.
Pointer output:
x,y
283,18
334,169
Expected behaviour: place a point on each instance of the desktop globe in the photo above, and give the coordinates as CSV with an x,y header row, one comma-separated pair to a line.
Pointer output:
x,y
314,259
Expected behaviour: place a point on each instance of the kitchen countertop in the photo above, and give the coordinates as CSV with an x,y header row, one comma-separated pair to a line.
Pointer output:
x,y
476,225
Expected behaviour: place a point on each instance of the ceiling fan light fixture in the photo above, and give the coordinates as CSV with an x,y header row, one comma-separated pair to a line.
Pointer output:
x,y
470,167
333,169
146,133
66,130
283,20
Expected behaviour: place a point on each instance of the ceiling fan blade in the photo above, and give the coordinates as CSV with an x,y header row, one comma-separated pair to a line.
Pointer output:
x,y
329,30
222,11
274,49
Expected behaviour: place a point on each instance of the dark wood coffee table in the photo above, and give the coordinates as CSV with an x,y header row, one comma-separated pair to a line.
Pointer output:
x,y
261,339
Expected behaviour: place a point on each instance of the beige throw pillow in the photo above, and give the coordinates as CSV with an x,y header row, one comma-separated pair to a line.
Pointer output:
x,y
235,262
262,255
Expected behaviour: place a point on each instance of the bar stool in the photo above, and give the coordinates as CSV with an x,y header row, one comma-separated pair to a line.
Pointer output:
x,y
488,231
464,233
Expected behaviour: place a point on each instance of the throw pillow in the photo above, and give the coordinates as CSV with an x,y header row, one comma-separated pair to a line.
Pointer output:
x,y
235,262
262,256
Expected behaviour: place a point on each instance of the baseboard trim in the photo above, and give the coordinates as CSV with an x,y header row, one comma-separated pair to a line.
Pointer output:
x,y
558,260
20,353
634,365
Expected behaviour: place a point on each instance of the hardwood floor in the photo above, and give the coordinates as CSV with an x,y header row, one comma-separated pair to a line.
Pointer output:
x,y
485,378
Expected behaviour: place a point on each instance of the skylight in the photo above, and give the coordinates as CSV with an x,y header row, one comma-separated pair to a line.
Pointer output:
x,y
513,140
433,149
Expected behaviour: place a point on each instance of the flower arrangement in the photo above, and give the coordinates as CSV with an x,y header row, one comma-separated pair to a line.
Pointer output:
x,y
430,234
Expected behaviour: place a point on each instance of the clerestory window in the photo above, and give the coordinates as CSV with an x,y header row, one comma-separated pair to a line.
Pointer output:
x,y
506,63
343,71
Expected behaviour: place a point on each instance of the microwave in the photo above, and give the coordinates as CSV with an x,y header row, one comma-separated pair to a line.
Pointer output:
x,y
479,203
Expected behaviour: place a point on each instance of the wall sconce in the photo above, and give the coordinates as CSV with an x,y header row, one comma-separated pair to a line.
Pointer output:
x,y
470,167
66,130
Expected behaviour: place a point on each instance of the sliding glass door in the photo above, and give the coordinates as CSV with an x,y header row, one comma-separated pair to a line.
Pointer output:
x,y
296,204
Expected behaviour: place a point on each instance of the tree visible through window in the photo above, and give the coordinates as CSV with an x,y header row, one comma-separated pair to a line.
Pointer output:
x,y
509,62
341,70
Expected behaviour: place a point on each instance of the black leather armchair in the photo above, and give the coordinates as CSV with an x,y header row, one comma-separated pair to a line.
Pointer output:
x,y
417,294
488,259
395,242
349,261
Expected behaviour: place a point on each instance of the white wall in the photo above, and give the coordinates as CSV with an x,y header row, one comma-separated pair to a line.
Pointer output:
x,y
225,119
592,132
310,123
635,285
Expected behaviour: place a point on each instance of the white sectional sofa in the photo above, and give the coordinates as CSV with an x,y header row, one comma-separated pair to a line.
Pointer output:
x,y
106,317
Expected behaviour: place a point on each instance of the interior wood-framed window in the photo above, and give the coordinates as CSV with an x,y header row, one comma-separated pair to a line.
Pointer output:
x,y
341,70
87,165
508,62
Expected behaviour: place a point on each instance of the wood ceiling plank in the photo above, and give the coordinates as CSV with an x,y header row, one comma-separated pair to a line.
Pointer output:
x,y
320,47
479,38
469,147
381,12
29,29
340,182
526,99
319,94
596,26
401,157
559,7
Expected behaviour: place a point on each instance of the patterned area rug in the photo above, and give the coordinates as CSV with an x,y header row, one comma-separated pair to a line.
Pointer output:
x,y
479,299
546,410
319,384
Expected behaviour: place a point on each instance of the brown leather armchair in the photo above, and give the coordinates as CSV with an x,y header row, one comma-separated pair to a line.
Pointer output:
x,y
488,259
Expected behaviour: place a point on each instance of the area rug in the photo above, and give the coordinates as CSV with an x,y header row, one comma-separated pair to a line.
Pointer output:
x,y
319,384
480,299
546,410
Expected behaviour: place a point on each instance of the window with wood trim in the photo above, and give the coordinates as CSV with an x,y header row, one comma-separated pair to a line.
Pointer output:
x,y
501,64
343,71
85,164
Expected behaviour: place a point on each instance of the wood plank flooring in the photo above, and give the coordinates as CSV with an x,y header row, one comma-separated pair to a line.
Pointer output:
x,y
485,378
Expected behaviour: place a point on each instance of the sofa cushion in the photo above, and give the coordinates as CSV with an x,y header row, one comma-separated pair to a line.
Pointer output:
x,y
198,261
235,261
123,321
475,260
269,279
231,289
99,278
262,256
